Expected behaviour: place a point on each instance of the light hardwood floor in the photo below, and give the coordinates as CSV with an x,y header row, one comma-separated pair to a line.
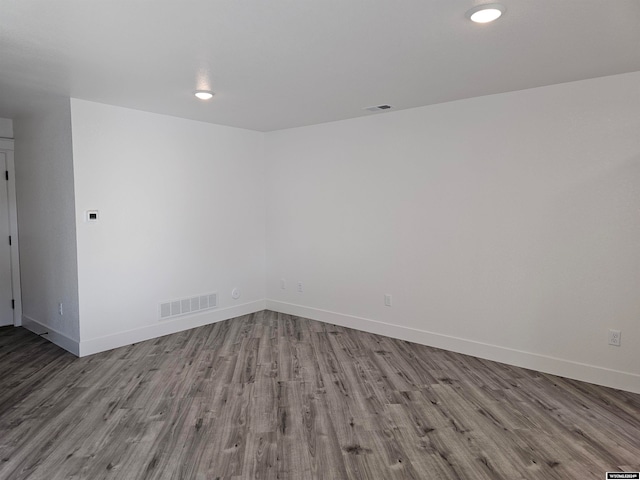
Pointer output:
x,y
270,396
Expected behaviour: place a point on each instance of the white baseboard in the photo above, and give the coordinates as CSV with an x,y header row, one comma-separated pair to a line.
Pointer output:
x,y
556,366
166,327
54,336
629,382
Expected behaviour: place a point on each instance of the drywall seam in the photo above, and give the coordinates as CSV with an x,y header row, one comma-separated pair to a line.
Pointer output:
x,y
556,366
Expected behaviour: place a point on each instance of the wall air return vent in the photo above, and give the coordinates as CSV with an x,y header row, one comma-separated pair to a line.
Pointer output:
x,y
188,306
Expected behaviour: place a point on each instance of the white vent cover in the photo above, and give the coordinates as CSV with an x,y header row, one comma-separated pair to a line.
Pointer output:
x,y
189,305
378,108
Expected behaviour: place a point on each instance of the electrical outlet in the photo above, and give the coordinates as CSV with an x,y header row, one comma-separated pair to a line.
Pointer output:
x,y
388,299
300,287
283,284
614,337
59,308
235,293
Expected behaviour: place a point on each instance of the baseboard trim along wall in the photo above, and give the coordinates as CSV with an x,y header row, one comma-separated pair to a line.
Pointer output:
x,y
60,339
166,327
556,366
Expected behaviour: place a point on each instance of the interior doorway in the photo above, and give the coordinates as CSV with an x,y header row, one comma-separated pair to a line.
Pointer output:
x,y
10,300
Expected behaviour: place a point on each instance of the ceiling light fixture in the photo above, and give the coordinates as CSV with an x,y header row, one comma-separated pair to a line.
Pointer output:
x,y
486,13
203,94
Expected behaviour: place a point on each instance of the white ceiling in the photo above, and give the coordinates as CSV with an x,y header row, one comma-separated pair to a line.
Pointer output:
x,y
283,63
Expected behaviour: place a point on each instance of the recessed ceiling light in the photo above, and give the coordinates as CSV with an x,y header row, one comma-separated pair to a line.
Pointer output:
x,y
486,13
203,94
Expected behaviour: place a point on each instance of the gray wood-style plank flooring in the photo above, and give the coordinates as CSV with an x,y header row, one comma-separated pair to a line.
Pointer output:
x,y
271,396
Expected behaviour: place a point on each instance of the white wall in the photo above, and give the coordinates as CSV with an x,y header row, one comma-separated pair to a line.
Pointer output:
x,y
6,128
181,213
46,220
504,226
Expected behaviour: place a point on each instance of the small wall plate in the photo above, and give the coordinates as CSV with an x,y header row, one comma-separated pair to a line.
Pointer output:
x,y
92,215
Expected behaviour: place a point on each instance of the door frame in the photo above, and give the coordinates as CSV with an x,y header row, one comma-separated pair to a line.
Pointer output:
x,y
6,146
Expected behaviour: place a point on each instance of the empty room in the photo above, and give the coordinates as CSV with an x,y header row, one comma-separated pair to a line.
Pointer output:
x,y
326,239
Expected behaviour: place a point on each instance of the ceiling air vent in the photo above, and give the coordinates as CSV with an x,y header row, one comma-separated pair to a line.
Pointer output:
x,y
379,108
